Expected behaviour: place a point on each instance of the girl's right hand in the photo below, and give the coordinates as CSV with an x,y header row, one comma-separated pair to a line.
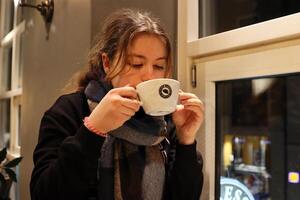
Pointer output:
x,y
116,107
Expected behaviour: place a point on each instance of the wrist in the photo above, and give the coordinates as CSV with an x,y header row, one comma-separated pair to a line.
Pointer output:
x,y
89,125
185,138
186,141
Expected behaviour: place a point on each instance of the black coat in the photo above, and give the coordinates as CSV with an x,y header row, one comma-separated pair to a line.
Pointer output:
x,y
66,157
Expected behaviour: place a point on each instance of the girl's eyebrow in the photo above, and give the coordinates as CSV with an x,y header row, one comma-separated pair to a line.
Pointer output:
x,y
162,58
137,55
143,57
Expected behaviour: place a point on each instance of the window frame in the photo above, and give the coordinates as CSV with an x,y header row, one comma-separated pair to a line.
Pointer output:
x,y
13,39
226,56
278,30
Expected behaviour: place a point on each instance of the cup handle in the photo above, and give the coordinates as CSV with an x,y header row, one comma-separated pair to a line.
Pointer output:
x,y
139,100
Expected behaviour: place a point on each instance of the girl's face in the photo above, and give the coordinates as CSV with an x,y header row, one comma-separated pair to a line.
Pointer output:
x,y
146,60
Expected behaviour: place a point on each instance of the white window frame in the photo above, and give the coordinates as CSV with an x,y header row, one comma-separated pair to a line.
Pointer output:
x,y
14,94
190,46
218,58
13,39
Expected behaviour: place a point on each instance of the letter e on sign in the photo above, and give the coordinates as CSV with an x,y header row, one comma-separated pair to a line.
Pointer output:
x,y
232,189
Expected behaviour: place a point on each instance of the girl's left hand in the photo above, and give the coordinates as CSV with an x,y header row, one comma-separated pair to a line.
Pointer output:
x,y
188,117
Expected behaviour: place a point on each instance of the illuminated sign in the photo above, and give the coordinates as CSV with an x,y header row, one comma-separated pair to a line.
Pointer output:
x,y
293,177
232,189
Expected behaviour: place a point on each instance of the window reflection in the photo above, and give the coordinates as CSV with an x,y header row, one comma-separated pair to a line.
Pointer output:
x,y
232,14
258,140
4,123
7,69
9,11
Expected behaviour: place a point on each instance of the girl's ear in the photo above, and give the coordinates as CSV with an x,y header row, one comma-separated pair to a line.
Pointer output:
x,y
105,61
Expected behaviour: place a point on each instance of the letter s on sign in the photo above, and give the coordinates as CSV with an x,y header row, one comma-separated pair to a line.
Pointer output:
x,y
238,194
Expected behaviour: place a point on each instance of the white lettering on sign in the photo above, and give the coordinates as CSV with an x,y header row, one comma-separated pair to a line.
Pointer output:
x,y
228,193
232,189
238,194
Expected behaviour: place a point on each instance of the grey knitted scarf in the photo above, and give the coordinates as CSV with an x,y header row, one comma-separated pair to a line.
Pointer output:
x,y
131,161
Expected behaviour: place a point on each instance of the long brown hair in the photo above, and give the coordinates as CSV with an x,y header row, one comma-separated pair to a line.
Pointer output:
x,y
117,33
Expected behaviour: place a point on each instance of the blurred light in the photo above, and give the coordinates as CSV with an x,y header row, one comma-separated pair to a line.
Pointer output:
x,y
261,85
293,177
16,2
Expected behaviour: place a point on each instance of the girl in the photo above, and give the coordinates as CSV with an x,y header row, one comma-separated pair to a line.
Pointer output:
x,y
97,143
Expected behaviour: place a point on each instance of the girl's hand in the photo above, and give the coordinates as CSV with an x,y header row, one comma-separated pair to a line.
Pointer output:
x,y
116,107
188,117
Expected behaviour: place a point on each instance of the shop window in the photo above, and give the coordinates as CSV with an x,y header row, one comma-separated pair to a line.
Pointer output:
x,y
258,141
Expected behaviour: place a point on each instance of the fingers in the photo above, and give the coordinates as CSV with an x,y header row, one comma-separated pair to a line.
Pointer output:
x,y
184,96
128,100
193,102
195,109
128,112
126,92
131,104
189,99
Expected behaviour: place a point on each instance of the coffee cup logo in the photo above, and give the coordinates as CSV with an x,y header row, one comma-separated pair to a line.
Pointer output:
x,y
165,91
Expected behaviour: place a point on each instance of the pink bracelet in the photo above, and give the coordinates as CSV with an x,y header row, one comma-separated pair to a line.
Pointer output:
x,y
88,125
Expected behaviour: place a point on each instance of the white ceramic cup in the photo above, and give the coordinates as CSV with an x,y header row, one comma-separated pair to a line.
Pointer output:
x,y
159,96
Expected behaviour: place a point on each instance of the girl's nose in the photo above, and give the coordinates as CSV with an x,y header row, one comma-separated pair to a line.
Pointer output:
x,y
147,73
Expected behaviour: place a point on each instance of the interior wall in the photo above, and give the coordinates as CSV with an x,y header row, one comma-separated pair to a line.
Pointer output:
x,y
47,65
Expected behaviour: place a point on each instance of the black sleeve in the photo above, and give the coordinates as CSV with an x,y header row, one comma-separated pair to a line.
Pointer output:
x,y
65,158
185,177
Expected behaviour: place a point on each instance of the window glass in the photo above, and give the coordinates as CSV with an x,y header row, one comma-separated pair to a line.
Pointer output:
x,y
20,66
258,140
19,124
7,67
9,16
4,122
232,14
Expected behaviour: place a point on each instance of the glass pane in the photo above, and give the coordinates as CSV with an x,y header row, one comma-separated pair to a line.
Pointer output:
x,y
293,137
20,67
232,14
7,69
19,125
9,16
15,189
258,140
4,123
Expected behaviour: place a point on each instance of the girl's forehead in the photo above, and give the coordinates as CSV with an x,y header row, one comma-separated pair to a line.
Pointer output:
x,y
146,38
146,43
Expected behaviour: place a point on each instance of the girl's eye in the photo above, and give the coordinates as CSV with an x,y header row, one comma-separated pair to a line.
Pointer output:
x,y
159,67
138,65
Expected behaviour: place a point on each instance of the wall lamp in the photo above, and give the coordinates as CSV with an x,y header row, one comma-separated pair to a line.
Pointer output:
x,y
46,8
